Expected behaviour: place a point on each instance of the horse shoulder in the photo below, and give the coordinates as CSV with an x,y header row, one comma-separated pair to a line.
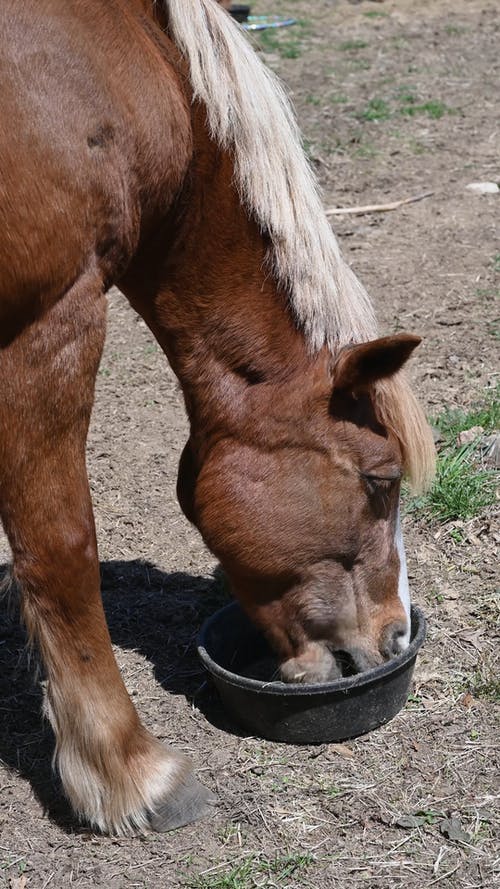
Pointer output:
x,y
101,143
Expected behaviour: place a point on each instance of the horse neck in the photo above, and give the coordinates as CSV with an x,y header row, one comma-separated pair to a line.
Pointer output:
x,y
219,315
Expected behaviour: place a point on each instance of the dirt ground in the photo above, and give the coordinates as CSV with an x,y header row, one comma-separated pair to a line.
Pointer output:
x,y
395,99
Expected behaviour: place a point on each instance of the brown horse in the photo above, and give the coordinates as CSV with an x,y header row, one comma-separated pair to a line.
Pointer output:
x,y
146,146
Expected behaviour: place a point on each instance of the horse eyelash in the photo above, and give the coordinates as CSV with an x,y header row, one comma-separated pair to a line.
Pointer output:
x,y
384,482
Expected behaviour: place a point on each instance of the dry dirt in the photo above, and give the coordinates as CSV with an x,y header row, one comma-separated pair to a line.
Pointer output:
x,y
312,816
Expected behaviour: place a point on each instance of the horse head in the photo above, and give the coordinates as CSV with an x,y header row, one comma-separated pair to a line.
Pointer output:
x,y
301,506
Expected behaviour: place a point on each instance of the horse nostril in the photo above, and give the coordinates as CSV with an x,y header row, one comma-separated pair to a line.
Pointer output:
x,y
394,639
357,660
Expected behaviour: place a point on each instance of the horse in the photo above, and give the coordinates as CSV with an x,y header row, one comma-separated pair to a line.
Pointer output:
x,y
151,149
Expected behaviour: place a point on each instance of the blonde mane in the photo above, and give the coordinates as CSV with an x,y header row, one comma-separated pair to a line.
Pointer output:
x,y
249,114
399,411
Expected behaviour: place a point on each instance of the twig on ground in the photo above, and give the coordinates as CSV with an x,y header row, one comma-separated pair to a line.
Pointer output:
x,y
443,876
377,208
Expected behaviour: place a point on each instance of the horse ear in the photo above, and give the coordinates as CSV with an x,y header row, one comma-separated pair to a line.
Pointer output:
x,y
357,367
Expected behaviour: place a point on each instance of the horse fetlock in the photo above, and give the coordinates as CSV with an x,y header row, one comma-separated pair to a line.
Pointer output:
x,y
119,793
119,778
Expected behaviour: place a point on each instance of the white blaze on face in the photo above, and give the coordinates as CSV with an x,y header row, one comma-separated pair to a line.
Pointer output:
x,y
403,588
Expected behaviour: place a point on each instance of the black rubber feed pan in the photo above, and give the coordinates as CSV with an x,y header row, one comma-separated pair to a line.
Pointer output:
x,y
233,651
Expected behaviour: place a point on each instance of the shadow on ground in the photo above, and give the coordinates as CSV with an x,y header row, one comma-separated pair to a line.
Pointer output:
x,y
149,611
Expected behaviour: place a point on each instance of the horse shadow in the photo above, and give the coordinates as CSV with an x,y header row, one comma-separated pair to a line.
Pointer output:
x,y
149,611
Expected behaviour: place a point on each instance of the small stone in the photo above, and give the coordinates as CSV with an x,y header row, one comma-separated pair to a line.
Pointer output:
x,y
17,882
342,750
492,450
469,435
467,700
452,829
410,821
483,187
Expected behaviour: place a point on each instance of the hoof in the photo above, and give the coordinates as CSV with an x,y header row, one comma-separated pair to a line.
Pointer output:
x,y
189,802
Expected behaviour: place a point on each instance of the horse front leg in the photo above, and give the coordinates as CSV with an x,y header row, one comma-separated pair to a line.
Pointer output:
x,y
117,776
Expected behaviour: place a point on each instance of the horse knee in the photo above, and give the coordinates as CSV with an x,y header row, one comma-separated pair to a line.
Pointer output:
x,y
57,566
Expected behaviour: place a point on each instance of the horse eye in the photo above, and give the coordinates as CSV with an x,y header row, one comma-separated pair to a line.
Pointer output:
x,y
380,482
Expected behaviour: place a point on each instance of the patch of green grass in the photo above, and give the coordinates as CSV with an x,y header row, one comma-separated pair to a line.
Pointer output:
x,y
433,108
493,328
460,489
359,64
409,104
229,832
313,100
286,47
405,95
289,49
451,422
338,99
254,871
429,816
376,14
350,45
333,792
457,535
287,44
22,865
488,689
377,109
496,263
404,102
